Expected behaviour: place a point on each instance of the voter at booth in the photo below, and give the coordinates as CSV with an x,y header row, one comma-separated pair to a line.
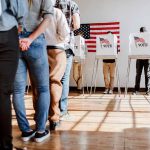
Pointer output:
x,y
79,60
109,66
140,64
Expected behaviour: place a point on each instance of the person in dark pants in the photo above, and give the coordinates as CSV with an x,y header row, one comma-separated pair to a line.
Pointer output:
x,y
9,56
140,64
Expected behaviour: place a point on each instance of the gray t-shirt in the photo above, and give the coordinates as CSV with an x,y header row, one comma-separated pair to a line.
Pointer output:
x,y
39,10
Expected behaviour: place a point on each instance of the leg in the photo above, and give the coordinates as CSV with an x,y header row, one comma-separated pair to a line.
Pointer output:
x,y
65,82
18,96
112,74
9,55
75,72
80,76
57,62
39,70
139,67
105,73
146,73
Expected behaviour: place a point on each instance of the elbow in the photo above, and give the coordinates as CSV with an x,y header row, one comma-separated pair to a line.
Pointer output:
x,y
76,26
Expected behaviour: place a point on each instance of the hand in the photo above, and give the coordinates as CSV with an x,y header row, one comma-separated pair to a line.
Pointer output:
x,y
25,43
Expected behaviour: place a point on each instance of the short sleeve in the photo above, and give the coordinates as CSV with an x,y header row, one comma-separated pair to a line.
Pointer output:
x,y
47,8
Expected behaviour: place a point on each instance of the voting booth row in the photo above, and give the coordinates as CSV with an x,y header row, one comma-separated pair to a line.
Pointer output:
x,y
106,48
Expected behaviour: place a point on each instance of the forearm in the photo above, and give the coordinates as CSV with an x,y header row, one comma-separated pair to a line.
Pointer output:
x,y
76,21
41,29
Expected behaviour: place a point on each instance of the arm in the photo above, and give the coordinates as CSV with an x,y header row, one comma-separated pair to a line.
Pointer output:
x,y
46,12
76,21
26,42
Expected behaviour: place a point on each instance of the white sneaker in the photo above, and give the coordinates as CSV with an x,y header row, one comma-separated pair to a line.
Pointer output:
x,y
106,91
65,117
110,92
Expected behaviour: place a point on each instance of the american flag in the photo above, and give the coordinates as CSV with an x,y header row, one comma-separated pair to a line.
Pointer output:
x,y
105,41
90,31
138,39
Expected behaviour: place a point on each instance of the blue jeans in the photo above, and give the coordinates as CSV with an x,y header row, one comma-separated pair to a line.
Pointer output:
x,y
65,82
35,60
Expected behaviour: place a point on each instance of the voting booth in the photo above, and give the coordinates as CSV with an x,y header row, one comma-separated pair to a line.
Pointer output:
x,y
80,56
106,48
139,48
79,48
139,44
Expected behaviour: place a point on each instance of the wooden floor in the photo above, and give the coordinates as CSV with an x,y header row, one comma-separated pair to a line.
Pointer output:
x,y
97,122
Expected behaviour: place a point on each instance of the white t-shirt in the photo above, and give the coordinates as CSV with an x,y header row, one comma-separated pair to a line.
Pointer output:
x,y
58,32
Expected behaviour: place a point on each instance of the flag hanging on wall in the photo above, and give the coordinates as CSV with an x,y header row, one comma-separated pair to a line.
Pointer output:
x,y
90,31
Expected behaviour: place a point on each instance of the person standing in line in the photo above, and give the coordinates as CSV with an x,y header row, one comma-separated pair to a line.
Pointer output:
x,y
57,37
71,11
33,57
9,56
109,66
140,64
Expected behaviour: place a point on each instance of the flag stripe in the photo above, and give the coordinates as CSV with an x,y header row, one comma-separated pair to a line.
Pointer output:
x,y
92,30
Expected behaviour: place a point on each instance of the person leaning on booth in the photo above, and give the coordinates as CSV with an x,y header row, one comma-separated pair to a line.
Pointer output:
x,y
109,66
140,64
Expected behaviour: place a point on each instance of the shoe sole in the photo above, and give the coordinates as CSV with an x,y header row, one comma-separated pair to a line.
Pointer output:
x,y
26,139
38,140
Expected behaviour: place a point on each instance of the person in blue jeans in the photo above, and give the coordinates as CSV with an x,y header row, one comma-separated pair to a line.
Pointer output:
x,y
71,11
33,57
65,83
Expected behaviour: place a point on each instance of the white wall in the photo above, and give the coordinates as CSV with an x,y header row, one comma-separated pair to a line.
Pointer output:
x,y
132,14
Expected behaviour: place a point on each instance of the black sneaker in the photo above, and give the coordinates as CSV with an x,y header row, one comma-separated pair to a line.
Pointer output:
x,y
26,136
40,137
53,125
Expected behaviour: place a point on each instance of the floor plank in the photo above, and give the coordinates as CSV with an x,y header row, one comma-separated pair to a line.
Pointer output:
x,y
96,122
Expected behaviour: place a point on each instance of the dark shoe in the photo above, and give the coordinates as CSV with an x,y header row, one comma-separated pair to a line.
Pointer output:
x,y
40,137
16,148
26,136
53,125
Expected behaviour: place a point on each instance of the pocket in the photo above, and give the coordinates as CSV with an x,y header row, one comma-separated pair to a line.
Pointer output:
x,y
37,48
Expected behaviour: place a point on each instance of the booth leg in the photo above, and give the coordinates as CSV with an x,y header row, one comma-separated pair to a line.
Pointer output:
x,y
118,78
96,75
93,74
127,76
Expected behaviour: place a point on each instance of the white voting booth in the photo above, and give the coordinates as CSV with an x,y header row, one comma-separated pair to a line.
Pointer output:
x,y
106,48
80,55
139,48
79,48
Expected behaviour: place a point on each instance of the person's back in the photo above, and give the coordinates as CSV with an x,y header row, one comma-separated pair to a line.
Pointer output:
x,y
57,34
71,11
12,14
